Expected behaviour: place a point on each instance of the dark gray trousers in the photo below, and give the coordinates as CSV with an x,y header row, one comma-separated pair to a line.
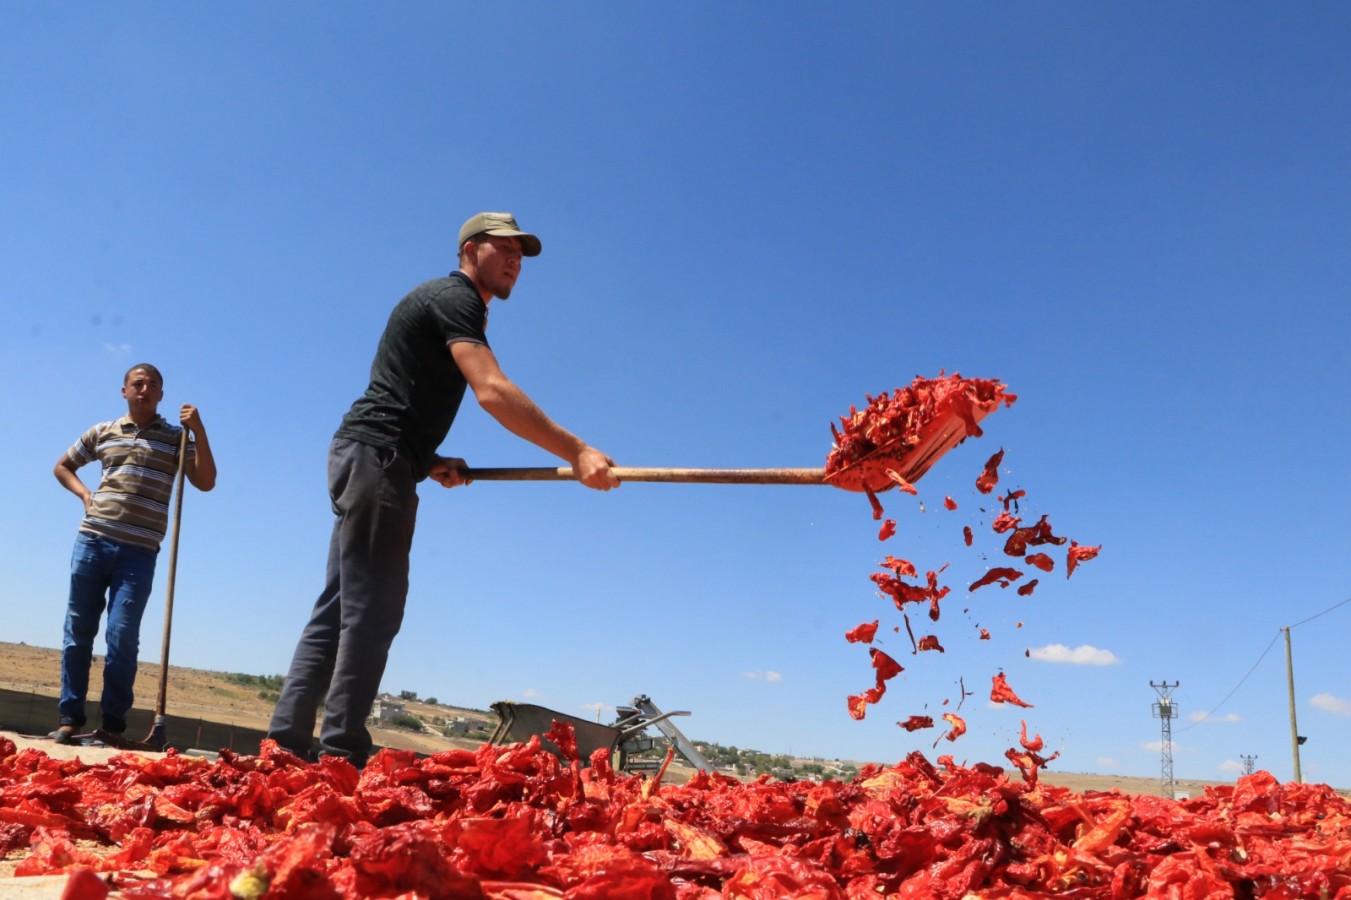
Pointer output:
x,y
341,655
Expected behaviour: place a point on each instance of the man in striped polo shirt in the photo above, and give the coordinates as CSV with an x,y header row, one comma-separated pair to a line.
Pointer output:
x,y
118,542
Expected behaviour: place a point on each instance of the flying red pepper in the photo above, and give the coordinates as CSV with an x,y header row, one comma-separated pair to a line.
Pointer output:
x,y
902,567
904,486
1033,745
958,726
915,723
1041,561
1000,692
1002,574
1077,554
887,530
887,668
990,477
863,633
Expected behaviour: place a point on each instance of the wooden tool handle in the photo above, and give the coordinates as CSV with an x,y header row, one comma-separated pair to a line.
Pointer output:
x,y
682,476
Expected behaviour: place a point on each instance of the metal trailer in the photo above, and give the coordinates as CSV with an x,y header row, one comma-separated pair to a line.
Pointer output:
x,y
625,738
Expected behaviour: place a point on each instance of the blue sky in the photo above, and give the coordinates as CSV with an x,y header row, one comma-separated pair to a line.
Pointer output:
x,y
753,215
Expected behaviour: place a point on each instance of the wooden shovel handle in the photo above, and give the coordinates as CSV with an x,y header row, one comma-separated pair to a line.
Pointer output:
x,y
682,476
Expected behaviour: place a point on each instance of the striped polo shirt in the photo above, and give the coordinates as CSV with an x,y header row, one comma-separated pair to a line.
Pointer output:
x,y
131,505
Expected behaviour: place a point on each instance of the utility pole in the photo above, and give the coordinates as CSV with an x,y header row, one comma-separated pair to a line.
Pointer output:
x,y
1248,762
1166,711
1295,739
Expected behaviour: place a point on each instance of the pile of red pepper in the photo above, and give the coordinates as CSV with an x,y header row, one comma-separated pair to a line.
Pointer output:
x,y
873,445
518,823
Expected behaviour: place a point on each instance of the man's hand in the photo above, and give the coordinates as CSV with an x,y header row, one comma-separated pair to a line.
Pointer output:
x,y
592,468
201,468
65,473
449,471
191,419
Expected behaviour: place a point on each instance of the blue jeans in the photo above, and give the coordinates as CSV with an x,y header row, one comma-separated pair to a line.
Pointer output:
x,y
342,651
120,575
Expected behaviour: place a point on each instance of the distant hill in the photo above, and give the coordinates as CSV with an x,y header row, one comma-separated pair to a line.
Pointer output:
x,y
246,700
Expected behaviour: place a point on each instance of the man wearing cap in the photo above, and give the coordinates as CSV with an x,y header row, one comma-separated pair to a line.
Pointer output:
x,y
433,348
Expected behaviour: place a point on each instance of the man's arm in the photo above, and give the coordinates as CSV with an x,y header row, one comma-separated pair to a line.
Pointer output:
x,y
510,406
200,469
65,473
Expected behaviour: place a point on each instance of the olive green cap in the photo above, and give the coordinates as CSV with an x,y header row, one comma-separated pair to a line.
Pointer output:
x,y
503,225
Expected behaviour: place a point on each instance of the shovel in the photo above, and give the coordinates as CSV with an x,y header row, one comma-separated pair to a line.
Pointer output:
x,y
157,739
870,474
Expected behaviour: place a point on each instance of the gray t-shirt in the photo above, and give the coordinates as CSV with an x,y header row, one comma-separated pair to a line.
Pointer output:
x,y
131,505
416,388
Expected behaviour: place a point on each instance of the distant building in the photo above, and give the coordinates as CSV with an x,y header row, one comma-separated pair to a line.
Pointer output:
x,y
383,709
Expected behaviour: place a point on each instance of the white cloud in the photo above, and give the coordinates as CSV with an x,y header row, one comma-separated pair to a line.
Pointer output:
x,y
118,349
529,693
768,675
1106,762
1328,703
595,708
1206,717
1230,765
1083,655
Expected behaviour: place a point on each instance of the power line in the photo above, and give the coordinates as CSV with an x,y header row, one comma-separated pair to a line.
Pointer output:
x,y
1275,637
1323,613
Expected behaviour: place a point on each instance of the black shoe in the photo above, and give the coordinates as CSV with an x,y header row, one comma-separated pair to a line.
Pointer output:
x,y
63,735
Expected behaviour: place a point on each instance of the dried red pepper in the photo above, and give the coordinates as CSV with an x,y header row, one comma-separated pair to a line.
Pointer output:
x,y
1077,554
1000,692
990,476
1035,744
958,726
863,633
1001,574
872,445
1041,561
930,642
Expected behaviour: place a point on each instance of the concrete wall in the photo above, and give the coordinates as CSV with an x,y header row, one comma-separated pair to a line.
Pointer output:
x,y
35,714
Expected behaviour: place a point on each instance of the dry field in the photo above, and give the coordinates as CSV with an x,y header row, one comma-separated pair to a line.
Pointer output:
x,y
195,693
209,696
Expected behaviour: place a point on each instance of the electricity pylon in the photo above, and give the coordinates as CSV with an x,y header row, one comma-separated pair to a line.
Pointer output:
x,y
1166,711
